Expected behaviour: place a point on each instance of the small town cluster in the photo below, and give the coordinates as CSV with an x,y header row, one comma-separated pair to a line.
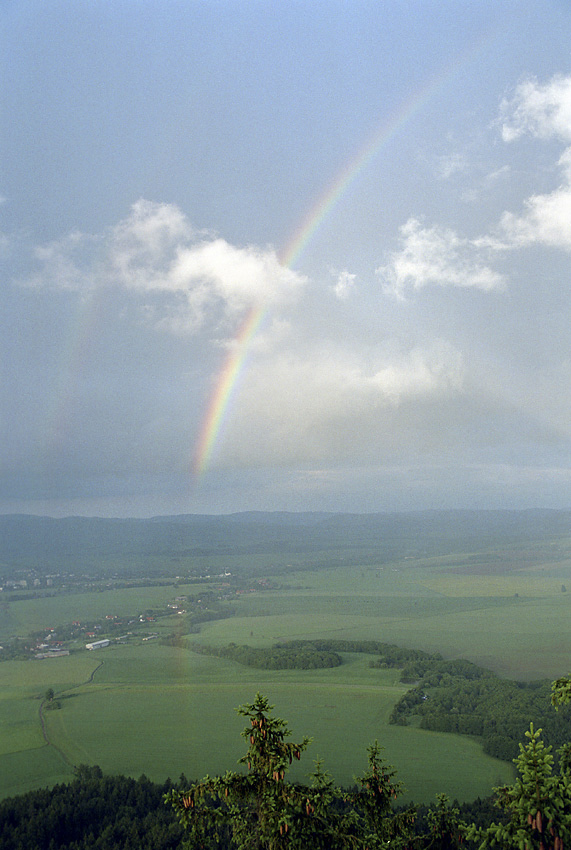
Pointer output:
x,y
210,601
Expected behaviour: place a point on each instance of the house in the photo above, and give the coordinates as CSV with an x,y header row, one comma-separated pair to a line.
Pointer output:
x,y
98,644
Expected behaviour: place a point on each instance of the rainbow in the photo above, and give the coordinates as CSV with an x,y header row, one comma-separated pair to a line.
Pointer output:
x,y
330,198
226,387
312,221
389,128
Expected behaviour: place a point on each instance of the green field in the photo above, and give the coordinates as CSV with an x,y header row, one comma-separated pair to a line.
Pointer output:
x,y
517,623
163,710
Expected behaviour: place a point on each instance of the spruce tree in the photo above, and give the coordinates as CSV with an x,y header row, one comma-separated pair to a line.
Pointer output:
x,y
537,805
261,810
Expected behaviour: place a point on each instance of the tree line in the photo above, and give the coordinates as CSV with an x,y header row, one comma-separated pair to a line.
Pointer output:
x,y
278,657
93,812
308,654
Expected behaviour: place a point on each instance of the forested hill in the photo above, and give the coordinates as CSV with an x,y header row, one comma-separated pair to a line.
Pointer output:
x,y
94,812
43,542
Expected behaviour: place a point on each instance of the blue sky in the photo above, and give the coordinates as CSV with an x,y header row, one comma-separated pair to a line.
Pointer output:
x,y
157,159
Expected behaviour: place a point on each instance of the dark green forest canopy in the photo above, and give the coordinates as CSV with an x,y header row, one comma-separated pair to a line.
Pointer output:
x,y
94,812
461,697
274,658
310,654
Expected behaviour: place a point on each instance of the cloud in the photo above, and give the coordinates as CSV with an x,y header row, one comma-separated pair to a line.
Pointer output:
x,y
310,404
547,218
345,282
541,110
180,274
435,256
239,276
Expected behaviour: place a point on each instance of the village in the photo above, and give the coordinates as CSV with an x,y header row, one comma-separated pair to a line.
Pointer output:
x,y
60,640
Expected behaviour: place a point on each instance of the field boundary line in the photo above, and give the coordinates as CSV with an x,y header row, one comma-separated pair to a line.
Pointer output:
x,y
41,713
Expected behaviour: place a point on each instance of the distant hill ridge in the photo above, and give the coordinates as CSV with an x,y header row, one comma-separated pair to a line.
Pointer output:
x,y
34,541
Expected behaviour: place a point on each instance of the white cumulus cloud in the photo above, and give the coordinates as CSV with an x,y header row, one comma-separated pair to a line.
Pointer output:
x,y
546,220
543,110
179,273
436,256
239,276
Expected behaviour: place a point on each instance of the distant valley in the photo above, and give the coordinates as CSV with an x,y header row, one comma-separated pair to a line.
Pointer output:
x,y
176,607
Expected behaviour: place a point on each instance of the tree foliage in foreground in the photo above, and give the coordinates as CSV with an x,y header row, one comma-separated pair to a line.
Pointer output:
x,y
261,810
538,804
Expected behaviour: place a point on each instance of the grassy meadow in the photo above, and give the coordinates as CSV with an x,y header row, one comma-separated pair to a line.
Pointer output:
x,y
163,711
160,710
517,623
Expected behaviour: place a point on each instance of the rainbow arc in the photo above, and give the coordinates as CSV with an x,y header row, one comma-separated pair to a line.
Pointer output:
x,y
225,388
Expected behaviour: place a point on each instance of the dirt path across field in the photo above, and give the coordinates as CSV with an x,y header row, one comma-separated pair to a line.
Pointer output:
x,y
49,743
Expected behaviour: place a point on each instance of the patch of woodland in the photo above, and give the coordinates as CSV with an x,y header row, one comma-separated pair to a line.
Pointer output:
x,y
461,697
308,654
